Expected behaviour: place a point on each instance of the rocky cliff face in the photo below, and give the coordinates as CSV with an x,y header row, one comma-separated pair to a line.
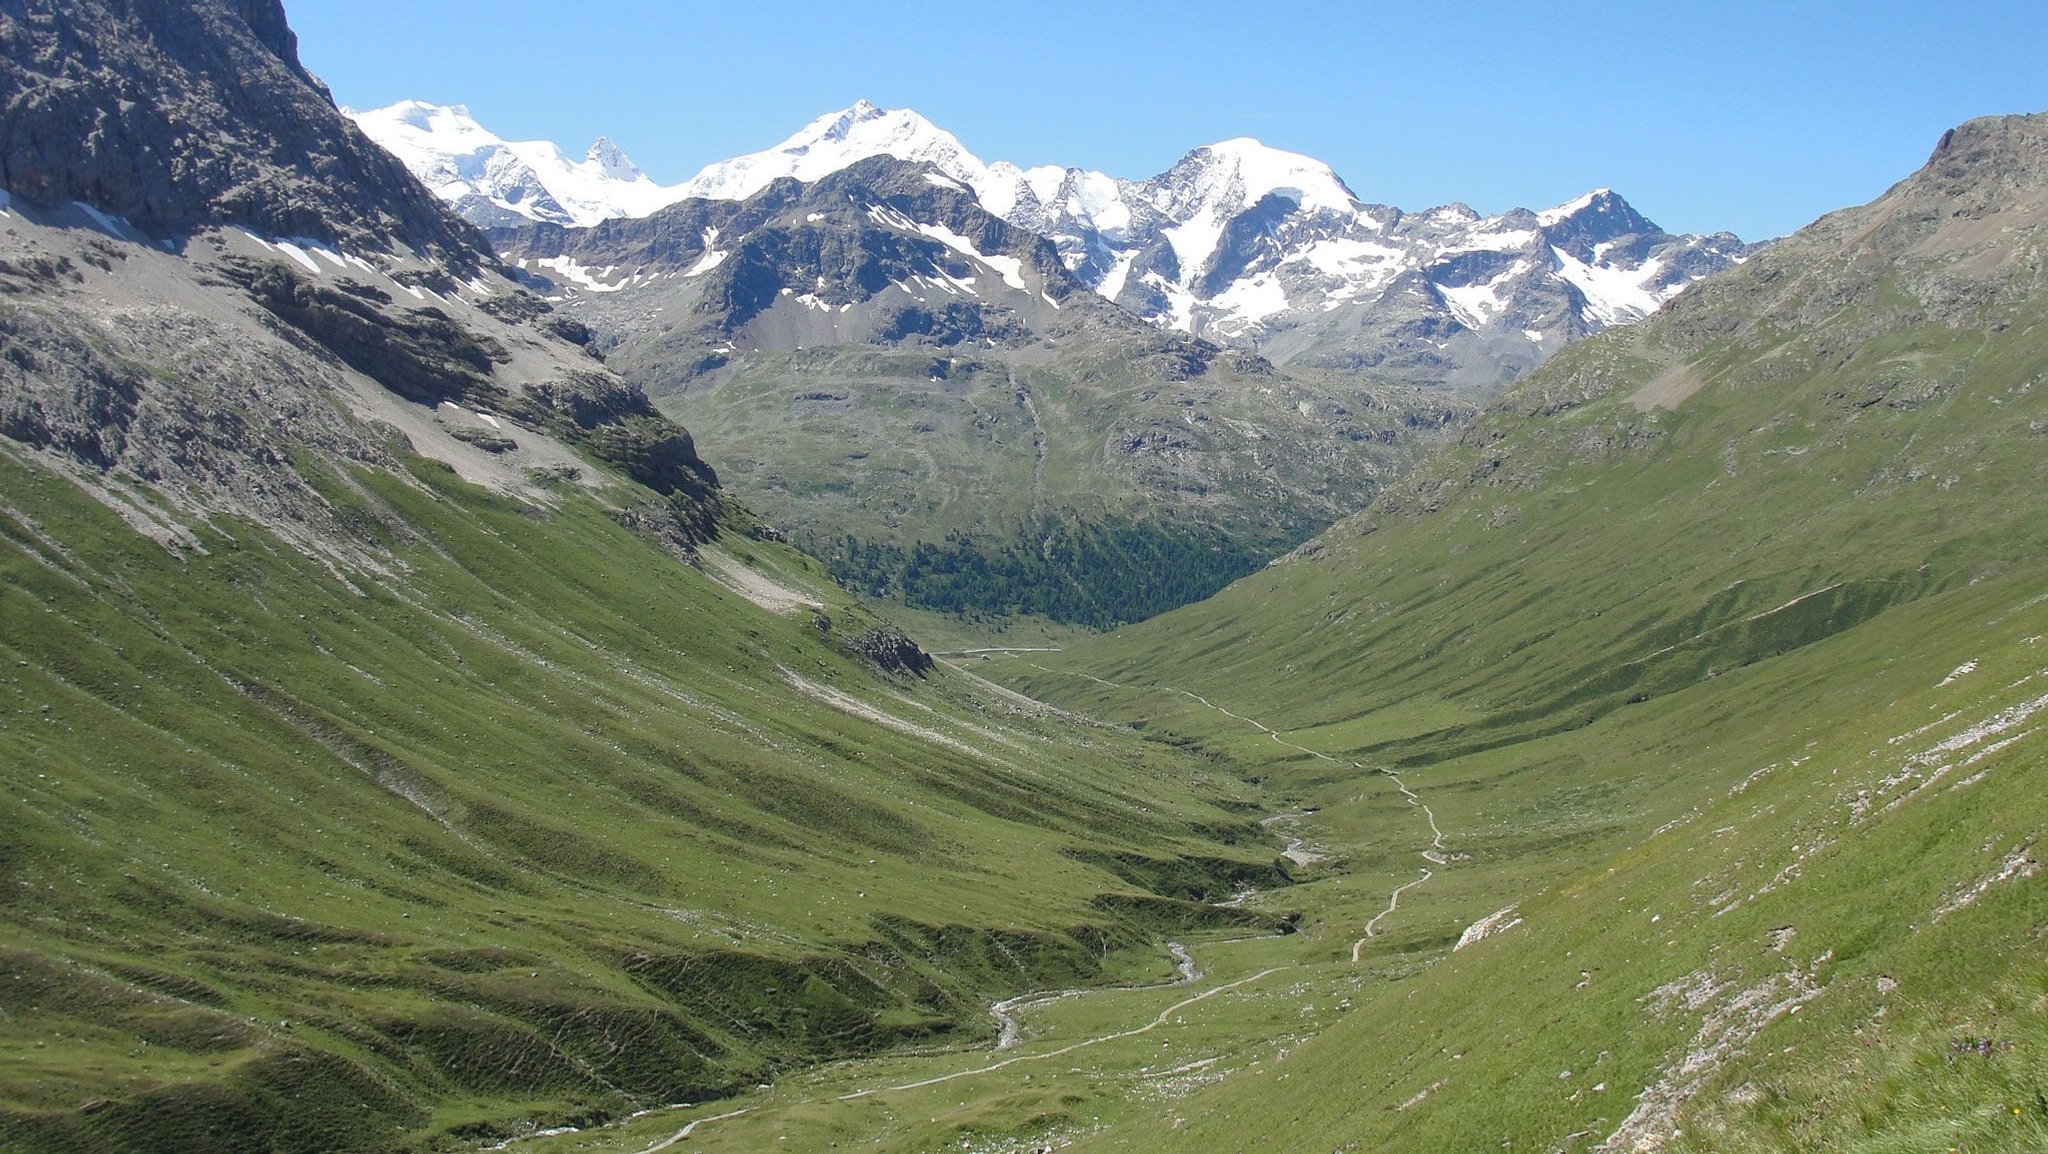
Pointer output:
x,y
882,252
177,114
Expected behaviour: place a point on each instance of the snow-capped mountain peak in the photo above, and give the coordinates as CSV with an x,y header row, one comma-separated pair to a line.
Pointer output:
x,y
842,123
1253,171
417,127
496,181
612,161
1573,207
834,141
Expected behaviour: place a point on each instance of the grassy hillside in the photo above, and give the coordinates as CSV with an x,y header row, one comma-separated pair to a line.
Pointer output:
x,y
538,822
1715,648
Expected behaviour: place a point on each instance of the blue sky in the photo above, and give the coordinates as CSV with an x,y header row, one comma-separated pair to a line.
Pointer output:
x,y
1754,117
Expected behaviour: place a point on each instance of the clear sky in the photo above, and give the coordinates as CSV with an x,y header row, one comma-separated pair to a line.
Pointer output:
x,y
1707,114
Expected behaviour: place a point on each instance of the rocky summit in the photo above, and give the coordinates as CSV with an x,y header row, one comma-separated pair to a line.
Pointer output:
x,y
228,129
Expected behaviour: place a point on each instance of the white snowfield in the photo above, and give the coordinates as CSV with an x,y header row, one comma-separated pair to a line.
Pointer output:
x,y
835,141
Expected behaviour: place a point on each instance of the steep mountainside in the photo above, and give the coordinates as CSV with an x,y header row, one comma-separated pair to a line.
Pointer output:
x,y
923,393
1238,243
1715,649
406,742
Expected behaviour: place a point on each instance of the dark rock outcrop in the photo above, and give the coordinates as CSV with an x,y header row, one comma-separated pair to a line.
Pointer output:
x,y
892,649
422,355
615,421
177,114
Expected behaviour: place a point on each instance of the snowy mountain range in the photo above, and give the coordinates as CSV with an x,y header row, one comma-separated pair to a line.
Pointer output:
x,y
1238,243
495,182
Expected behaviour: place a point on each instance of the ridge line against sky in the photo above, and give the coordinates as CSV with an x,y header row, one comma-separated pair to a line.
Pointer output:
x,y
1748,116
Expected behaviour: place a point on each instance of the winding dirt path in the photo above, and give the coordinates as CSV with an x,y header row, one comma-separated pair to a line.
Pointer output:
x,y
688,1130
1010,1030
1012,1033
1393,903
1434,854
1164,1016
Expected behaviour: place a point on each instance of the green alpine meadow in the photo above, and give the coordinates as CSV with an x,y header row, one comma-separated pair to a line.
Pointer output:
x,y
804,667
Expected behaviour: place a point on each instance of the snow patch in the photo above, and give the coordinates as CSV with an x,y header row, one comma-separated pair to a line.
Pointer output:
x,y
1614,296
1250,301
1194,242
1474,305
113,226
710,260
1498,922
300,255
1010,268
1344,257
1112,284
591,279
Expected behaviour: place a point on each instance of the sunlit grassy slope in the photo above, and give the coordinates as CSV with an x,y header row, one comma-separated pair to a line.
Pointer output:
x,y
1716,648
536,824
